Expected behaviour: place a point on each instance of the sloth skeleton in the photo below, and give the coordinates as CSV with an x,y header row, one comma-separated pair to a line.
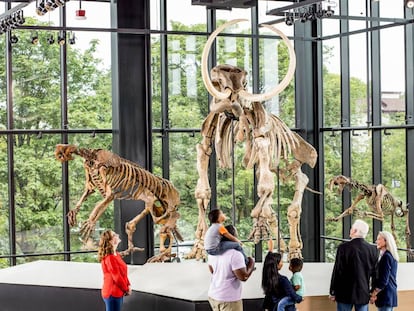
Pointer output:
x,y
380,202
118,178
267,140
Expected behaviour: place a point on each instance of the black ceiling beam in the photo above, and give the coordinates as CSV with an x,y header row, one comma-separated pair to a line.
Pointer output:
x,y
300,4
226,4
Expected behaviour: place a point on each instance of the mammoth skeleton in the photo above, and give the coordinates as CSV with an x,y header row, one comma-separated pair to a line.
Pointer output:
x,y
267,139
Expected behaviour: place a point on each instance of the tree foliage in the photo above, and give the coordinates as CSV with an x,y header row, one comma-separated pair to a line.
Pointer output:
x,y
37,105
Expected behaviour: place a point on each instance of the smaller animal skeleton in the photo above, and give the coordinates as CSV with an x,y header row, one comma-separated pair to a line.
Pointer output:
x,y
379,200
117,178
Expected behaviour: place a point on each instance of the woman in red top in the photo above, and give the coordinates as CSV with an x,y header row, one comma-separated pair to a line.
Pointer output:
x,y
115,272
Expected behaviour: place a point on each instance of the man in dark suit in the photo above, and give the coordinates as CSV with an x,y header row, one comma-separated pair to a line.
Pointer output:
x,y
354,267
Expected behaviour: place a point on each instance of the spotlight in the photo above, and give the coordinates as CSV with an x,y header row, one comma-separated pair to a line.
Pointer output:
x,y
35,38
329,11
80,14
61,39
50,39
50,5
311,16
289,20
409,4
44,6
3,27
304,17
17,19
14,39
41,8
72,39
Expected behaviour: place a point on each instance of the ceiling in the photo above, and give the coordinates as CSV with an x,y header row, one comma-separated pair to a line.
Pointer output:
x,y
293,11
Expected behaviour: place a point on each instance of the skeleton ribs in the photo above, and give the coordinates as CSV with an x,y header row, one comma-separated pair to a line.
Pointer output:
x,y
118,178
381,203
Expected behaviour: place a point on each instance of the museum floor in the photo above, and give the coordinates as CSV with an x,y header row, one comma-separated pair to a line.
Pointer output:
x,y
56,285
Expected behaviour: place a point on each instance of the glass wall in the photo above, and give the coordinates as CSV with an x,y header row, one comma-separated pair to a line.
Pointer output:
x,y
56,87
368,120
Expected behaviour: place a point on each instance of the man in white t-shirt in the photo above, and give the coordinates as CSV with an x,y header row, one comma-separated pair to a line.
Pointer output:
x,y
228,271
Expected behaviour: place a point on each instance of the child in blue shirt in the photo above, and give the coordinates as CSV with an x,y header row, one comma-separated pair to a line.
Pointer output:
x,y
297,281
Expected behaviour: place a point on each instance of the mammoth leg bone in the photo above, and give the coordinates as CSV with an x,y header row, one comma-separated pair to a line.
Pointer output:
x,y
264,221
203,196
295,210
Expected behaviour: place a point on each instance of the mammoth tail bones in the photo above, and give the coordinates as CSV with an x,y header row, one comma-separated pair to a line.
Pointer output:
x,y
267,140
117,178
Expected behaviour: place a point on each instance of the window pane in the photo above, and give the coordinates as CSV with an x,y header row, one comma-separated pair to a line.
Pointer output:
x,y
36,82
331,84
361,157
39,219
77,179
4,203
3,86
89,81
392,76
156,81
273,68
228,15
360,107
183,174
332,201
194,15
187,99
395,179
97,13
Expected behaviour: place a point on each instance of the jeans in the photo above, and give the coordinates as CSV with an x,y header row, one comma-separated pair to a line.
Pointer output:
x,y
348,307
385,308
284,302
113,303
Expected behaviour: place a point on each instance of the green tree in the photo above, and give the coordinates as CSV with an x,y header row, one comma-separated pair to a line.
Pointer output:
x,y
36,105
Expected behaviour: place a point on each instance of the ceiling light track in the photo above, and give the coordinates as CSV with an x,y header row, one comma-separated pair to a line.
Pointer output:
x,y
304,11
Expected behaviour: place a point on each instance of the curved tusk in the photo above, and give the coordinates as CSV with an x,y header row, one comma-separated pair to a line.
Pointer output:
x,y
204,70
286,80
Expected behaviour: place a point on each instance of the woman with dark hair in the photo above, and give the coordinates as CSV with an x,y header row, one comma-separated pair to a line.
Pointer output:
x,y
115,272
275,285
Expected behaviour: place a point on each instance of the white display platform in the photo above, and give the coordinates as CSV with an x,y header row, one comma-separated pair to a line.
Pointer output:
x,y
66,286
171,279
